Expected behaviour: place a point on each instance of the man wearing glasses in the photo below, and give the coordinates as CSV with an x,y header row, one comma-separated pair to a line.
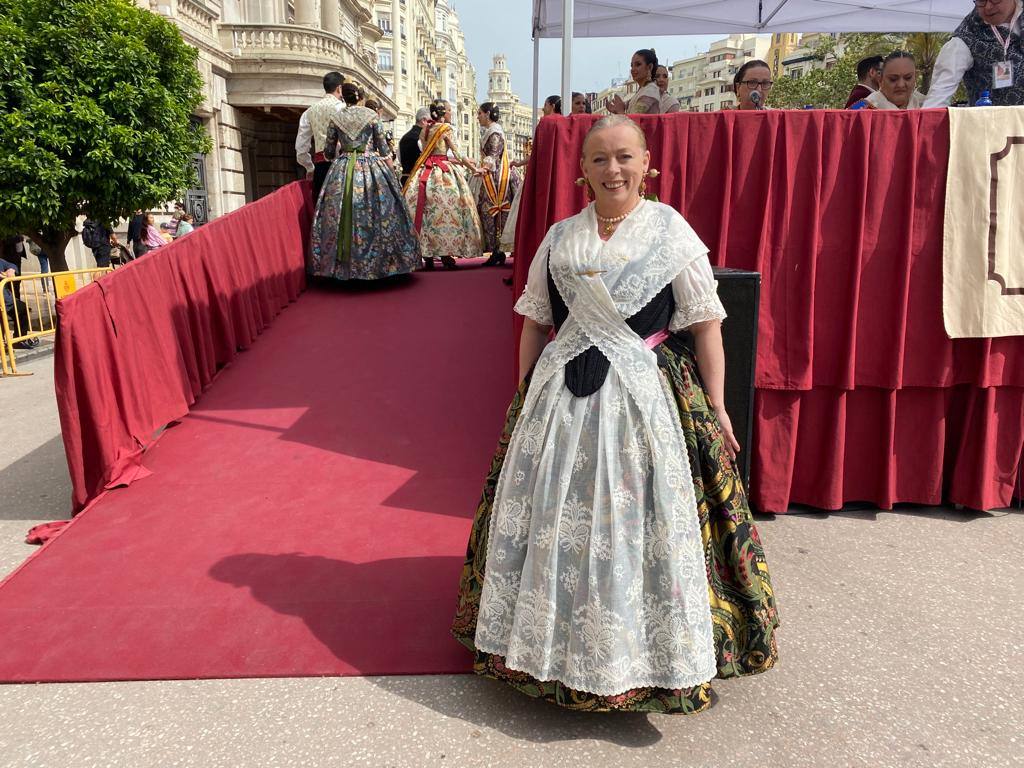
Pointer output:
x,y
986,53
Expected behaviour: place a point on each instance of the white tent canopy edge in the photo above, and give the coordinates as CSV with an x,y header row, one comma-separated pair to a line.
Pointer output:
x,y
621,18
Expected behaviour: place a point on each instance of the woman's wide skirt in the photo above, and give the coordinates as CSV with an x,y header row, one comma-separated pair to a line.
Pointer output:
x,y
444,209
743,611
508,232
362,229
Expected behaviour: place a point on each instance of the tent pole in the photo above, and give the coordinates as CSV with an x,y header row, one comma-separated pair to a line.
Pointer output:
x,y
536,78
567,13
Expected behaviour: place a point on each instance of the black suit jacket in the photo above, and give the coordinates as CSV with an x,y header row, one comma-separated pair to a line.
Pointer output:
x,y
409,150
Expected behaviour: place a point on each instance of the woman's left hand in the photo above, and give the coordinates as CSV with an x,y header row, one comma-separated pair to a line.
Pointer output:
x,y
732,446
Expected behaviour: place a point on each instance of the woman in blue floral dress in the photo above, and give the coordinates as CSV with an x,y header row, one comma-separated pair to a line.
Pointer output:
x,y
362,229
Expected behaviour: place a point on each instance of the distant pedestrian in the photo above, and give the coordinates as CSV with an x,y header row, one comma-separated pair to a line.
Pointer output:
x,y
150,235
869,77
409,144
96,237
185,225
136,226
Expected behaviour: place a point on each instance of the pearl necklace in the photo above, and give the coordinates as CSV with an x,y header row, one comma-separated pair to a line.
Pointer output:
x,y
611,222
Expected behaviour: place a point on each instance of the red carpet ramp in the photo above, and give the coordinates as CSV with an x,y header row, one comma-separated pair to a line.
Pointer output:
x,y
309,517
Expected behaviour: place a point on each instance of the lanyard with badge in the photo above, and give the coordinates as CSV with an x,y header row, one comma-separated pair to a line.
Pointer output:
x,y
1002,71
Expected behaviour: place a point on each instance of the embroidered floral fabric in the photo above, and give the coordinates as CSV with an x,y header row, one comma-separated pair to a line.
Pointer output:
x,y
595,570
368,214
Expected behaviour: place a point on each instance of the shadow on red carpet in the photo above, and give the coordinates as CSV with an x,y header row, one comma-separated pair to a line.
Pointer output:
x,y
309,517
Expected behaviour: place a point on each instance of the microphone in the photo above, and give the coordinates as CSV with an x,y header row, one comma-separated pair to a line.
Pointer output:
x,y
755,99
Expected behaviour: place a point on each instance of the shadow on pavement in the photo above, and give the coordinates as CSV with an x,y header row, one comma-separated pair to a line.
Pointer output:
x,y
492,705
37,486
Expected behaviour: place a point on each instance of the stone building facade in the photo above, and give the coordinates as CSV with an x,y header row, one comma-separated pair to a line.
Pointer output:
x,y
262,63
422,56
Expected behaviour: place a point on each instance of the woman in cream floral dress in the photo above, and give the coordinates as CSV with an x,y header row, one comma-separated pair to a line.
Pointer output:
x,y
439,197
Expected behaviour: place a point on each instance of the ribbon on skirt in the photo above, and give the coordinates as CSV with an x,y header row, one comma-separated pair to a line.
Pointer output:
x,y
498,194
434,161
345,225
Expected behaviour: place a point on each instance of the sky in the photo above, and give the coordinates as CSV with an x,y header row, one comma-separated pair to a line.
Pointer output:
x,y
504,27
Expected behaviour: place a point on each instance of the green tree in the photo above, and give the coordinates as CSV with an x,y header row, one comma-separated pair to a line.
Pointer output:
x,y
96,98
925,47
829,87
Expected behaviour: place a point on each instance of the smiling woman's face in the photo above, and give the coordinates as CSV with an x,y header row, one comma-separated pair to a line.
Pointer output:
x,y
614,162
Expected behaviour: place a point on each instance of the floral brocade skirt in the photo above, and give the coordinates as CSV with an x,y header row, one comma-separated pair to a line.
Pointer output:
x,y
743,611
362,229
444,209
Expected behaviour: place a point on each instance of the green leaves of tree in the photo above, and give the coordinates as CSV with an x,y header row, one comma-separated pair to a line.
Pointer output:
x,y
829,87
96,99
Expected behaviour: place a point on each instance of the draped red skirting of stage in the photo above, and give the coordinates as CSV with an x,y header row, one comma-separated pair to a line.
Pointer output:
x,y
134,349
860,394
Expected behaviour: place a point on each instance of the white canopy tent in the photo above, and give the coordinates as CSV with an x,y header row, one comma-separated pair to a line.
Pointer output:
x,y
627,18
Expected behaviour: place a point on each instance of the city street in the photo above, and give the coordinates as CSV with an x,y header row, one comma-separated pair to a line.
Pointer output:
x,y
899,647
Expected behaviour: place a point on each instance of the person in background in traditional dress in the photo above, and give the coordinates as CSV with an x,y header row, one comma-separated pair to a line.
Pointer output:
x,y
580,106
647,99
362,229
755,76
508,232
613,562
668,103
869,75
898,89
409,144
313,128
438,194
552,106
499,180
988,35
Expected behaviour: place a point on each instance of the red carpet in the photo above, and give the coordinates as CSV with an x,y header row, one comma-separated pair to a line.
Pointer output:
x,y
308,518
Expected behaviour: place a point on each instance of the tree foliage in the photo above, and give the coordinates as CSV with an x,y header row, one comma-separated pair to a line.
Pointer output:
x,y
96,98
829,87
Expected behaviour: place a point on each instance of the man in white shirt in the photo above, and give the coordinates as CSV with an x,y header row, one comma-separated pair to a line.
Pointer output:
x,y
986,53
313,128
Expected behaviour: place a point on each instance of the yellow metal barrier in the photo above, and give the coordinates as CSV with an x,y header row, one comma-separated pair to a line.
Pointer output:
x,y
39,294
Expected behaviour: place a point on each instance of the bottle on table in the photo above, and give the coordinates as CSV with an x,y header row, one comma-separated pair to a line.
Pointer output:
x,y
985,100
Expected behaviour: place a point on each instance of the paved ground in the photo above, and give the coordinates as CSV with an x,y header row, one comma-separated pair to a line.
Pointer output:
x,y
900,647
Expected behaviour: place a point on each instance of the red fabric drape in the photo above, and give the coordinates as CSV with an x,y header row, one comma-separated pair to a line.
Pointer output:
x,y
861,396
135,348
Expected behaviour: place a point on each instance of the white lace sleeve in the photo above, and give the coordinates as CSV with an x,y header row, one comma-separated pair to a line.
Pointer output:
x,y
535,302
696,293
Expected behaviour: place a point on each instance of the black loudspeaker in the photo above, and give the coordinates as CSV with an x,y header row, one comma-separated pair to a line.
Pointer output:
x,y
740,293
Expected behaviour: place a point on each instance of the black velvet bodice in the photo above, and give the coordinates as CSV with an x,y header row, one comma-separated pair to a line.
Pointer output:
x,y
586,372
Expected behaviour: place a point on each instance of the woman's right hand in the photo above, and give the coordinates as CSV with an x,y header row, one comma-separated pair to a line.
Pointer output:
x,y
732,445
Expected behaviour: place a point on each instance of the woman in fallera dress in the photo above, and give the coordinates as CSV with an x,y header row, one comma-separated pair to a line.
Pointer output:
x,y
499,182
437,192
613,563
362,229
647,99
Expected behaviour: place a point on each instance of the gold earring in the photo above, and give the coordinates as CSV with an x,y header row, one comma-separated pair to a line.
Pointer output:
x,y
583,181
653,173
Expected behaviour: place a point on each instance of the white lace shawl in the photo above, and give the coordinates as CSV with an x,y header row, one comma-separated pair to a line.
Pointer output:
x,y
694,288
